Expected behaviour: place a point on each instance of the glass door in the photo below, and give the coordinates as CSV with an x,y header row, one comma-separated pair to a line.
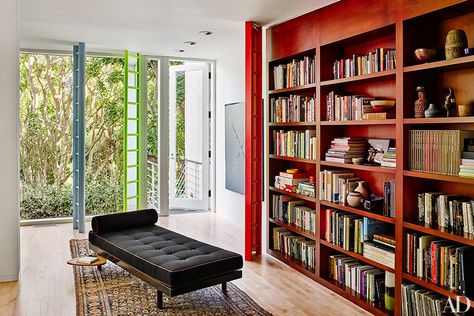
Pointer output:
x,y
189,136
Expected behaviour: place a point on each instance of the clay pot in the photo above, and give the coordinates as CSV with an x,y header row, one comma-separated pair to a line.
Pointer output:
x,y
464,109
434,111
423,55
421,104
456,42
362,189
354,199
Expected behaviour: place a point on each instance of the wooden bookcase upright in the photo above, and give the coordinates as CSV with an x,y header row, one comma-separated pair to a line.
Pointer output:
x,y
413,28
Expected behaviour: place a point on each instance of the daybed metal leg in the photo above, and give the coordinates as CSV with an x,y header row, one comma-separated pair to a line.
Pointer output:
x,y
159,299
224,287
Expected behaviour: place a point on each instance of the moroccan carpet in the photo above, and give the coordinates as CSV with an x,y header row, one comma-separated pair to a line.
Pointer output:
x,y
114,291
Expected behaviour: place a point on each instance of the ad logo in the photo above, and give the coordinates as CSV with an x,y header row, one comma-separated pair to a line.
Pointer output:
x,y
458,307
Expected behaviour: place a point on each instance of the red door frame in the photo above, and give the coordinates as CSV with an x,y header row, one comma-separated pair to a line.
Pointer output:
x,y
253,140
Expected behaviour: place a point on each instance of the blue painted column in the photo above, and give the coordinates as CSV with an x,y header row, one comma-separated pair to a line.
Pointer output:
x,y
79,136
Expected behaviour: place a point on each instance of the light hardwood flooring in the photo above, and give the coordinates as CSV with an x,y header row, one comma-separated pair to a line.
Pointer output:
x,y
46,282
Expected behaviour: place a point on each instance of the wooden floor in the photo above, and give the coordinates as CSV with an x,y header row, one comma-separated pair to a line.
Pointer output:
x,y
46,282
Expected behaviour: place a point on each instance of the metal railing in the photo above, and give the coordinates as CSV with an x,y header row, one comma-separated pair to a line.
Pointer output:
x,y
188,181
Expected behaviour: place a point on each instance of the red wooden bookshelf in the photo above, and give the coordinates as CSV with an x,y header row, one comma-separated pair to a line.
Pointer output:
x,y
420,24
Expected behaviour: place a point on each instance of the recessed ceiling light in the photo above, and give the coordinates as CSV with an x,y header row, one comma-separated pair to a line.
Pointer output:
x,y
190,43
206,33
180,50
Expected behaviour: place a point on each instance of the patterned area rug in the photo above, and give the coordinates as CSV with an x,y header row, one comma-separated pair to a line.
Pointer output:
x,y
114,291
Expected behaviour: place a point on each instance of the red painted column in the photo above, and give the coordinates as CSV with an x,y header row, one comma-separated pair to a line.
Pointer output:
x,y
253,140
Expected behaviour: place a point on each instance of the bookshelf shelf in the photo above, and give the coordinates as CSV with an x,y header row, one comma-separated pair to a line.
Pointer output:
x,y
434,287
440,120
440,232
358,167
356,79
445,65
359,122
296,195
292,124
293,89
359,212
294,229
292,263
293,159
355,255
438,177
353,296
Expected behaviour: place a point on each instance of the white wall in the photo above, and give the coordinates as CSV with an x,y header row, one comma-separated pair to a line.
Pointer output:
x,y
9,215
230,87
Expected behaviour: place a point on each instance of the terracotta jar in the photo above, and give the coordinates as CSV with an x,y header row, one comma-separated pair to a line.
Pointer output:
x,y
421,104
362,189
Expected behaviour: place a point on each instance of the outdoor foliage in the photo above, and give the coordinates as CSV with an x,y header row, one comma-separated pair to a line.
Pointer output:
x,y
46,135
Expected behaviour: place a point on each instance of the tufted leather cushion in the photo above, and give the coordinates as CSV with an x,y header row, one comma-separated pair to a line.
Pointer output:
x,y
123,220
165,255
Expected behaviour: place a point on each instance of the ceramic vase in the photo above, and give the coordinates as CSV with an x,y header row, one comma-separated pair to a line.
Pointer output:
x,y
456,42
354,199
433,111
362,189
421,104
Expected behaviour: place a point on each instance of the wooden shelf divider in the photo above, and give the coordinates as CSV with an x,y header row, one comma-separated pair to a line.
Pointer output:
x,y
440,232
293,89
293,159
294,229
360,212
358,167
355,79
438,177
296,195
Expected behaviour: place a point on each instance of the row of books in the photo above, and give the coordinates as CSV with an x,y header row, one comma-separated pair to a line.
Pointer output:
x,y
343,149
348,107
295,73
440,261
450,211
298,144
295,108
306,188
335,184
466,169
292,211
389,199
418,301
294,246
437,151
364,279
362,235
379,60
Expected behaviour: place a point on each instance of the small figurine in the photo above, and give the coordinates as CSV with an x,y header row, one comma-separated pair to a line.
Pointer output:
x,y
421,104
450,103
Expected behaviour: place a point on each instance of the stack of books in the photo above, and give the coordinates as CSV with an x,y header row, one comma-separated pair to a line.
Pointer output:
x,y
364,279
449,211
334,185
289,181
421,302
389,158
389,198
295,73
295,144
466,169
347,107
295,108
437,151
356,233
294,246
379,60
441,262
343,149
306,188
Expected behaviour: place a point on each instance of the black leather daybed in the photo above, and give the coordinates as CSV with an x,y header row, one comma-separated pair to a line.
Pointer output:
x,y
174,264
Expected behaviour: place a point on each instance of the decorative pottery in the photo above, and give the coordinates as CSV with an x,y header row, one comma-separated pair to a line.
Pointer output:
x,y
354,199
382,105
423,55
464,110
434,111
450,103
357,160
456,42
362,189
421,104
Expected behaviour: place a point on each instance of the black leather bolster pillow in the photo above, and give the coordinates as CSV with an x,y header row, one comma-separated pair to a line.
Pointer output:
x,y
120,221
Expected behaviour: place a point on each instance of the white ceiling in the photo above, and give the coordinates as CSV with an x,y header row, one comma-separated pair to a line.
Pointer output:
x,y
156,27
